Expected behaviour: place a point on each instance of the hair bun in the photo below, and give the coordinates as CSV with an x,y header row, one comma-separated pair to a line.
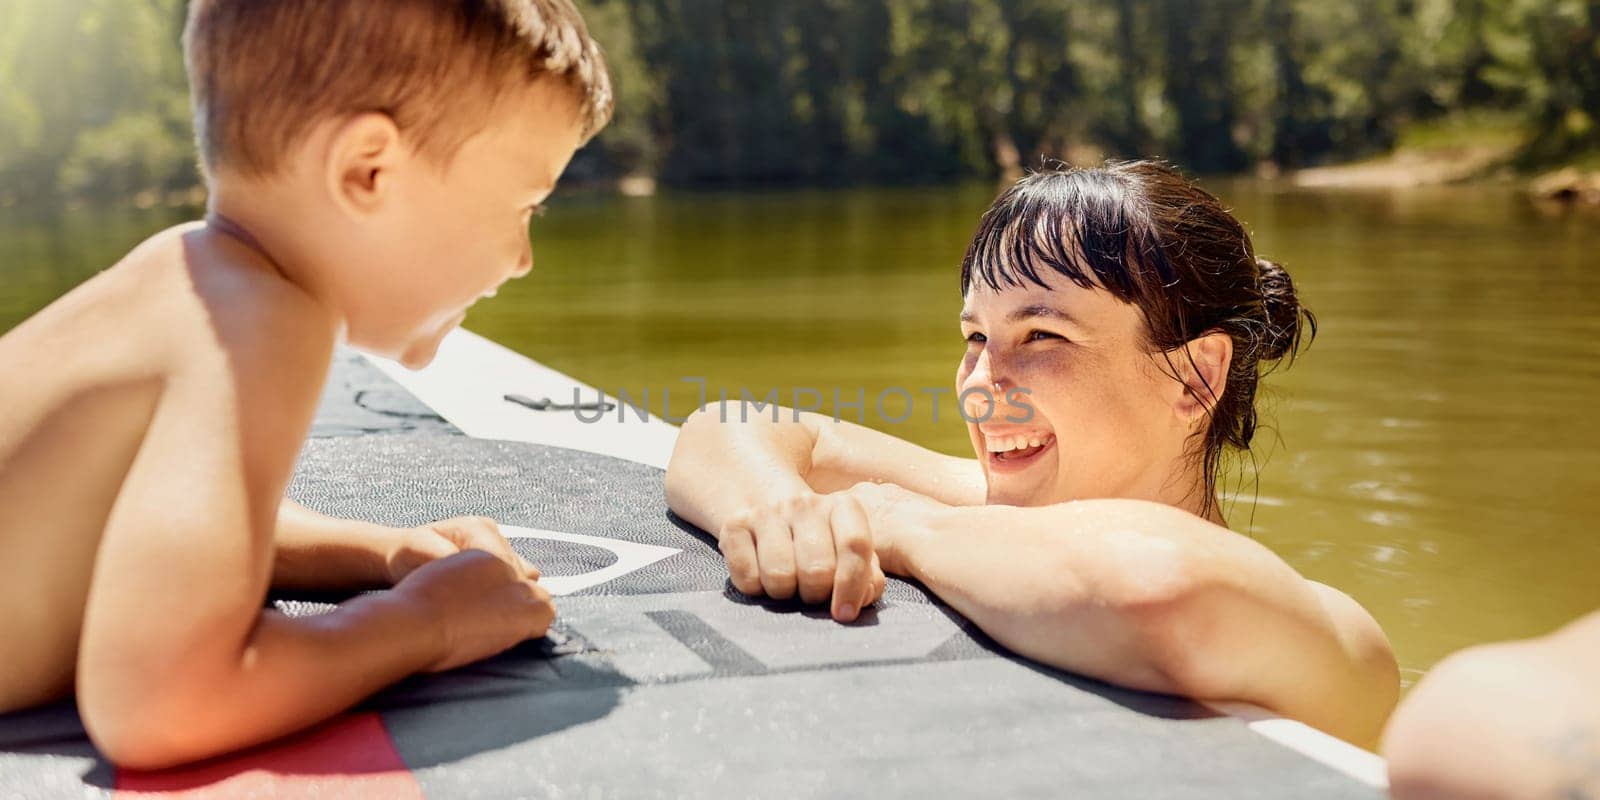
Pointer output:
x,y
1285,318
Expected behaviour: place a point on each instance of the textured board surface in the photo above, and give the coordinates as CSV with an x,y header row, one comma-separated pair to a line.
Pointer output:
x,y
663,682
358,400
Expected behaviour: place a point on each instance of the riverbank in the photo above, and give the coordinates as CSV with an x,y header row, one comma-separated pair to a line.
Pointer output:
x,y
1469,149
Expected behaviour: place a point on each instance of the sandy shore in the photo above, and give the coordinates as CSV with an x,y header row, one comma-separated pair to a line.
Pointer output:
x,y
1405,169
1435,167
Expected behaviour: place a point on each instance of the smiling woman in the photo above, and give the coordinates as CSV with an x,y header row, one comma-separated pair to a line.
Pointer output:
x,y
1128,313
1131,307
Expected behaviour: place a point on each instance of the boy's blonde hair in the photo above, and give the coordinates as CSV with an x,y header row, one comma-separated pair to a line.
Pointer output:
x,y
262,72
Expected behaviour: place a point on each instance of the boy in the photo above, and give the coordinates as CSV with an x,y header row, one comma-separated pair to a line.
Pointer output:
x,y
373,166
1503,720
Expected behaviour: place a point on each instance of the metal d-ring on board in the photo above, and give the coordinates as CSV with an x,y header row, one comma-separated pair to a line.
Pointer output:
x,y
546,404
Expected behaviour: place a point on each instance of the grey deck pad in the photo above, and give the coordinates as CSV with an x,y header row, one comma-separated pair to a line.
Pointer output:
x,y
358,400
664,682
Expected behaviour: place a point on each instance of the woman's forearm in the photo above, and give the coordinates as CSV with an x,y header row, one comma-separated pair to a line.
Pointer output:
x,y
723,466
727,462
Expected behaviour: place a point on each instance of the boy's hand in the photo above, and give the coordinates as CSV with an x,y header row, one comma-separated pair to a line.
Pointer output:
x,y
414,547
481,604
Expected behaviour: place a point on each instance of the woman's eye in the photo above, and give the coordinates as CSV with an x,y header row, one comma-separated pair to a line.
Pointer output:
x,y
1035,336
976,338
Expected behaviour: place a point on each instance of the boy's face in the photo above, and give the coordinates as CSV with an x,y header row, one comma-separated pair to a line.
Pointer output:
x,y
448,234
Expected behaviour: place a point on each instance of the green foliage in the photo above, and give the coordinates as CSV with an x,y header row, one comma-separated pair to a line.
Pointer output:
x,y
1547,53
630,145
723,92
92,99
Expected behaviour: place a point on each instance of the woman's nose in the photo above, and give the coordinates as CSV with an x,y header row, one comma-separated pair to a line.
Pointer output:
x,y
981,389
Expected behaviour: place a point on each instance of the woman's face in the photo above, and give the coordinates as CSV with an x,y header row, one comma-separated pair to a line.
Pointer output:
x,y
1105,419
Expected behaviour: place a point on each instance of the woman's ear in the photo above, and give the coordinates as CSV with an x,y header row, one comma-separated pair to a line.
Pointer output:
x,y
363,155
1202,366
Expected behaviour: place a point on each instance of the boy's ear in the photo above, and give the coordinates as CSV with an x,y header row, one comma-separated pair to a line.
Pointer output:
x,y
1202,367
362,158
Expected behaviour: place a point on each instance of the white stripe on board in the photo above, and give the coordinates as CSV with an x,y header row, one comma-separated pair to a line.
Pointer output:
x,y
467,384
1363,765
631,557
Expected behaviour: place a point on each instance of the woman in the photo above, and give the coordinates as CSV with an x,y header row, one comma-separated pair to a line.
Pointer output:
x,y
1118,319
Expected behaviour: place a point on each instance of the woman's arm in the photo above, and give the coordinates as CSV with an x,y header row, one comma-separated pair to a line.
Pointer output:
x,y
723,465
759,484
1149,597
1138,594
1527,713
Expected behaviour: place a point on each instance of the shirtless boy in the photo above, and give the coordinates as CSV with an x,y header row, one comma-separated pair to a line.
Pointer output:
x,y
373,166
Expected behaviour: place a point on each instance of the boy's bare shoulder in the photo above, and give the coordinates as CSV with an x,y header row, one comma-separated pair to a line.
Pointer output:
x,y
186,301
193,326
188,306
264,324
249,350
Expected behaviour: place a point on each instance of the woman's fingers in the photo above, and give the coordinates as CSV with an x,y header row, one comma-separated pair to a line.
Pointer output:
x,y
876,585
852,540
818,549
813,551
738,545
775,555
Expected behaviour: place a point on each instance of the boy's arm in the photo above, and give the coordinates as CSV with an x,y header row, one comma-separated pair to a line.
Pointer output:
x,y
1527,713
177,660
315,551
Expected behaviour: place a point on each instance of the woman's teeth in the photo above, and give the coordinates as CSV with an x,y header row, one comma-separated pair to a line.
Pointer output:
x,y
1004,444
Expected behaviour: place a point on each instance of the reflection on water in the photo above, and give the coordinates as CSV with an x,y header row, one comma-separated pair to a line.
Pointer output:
x,y
1435,453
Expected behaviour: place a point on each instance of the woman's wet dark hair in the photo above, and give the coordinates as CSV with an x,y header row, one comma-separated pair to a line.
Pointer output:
x,y
1152,238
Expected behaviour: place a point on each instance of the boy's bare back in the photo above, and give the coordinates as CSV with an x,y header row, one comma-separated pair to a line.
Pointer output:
x,y
156,410
170,390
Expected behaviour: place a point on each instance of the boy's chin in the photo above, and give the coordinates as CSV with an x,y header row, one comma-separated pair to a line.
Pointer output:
x,y
422,352
419,357
412,350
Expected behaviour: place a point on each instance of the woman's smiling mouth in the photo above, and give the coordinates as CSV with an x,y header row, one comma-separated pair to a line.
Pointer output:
x,y
1014,452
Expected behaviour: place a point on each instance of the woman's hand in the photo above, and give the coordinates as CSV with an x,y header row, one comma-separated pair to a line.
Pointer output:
x,y
896,516
819,545
413,547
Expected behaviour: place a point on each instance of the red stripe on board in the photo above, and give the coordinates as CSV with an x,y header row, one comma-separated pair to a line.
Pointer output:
x,y
350,756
